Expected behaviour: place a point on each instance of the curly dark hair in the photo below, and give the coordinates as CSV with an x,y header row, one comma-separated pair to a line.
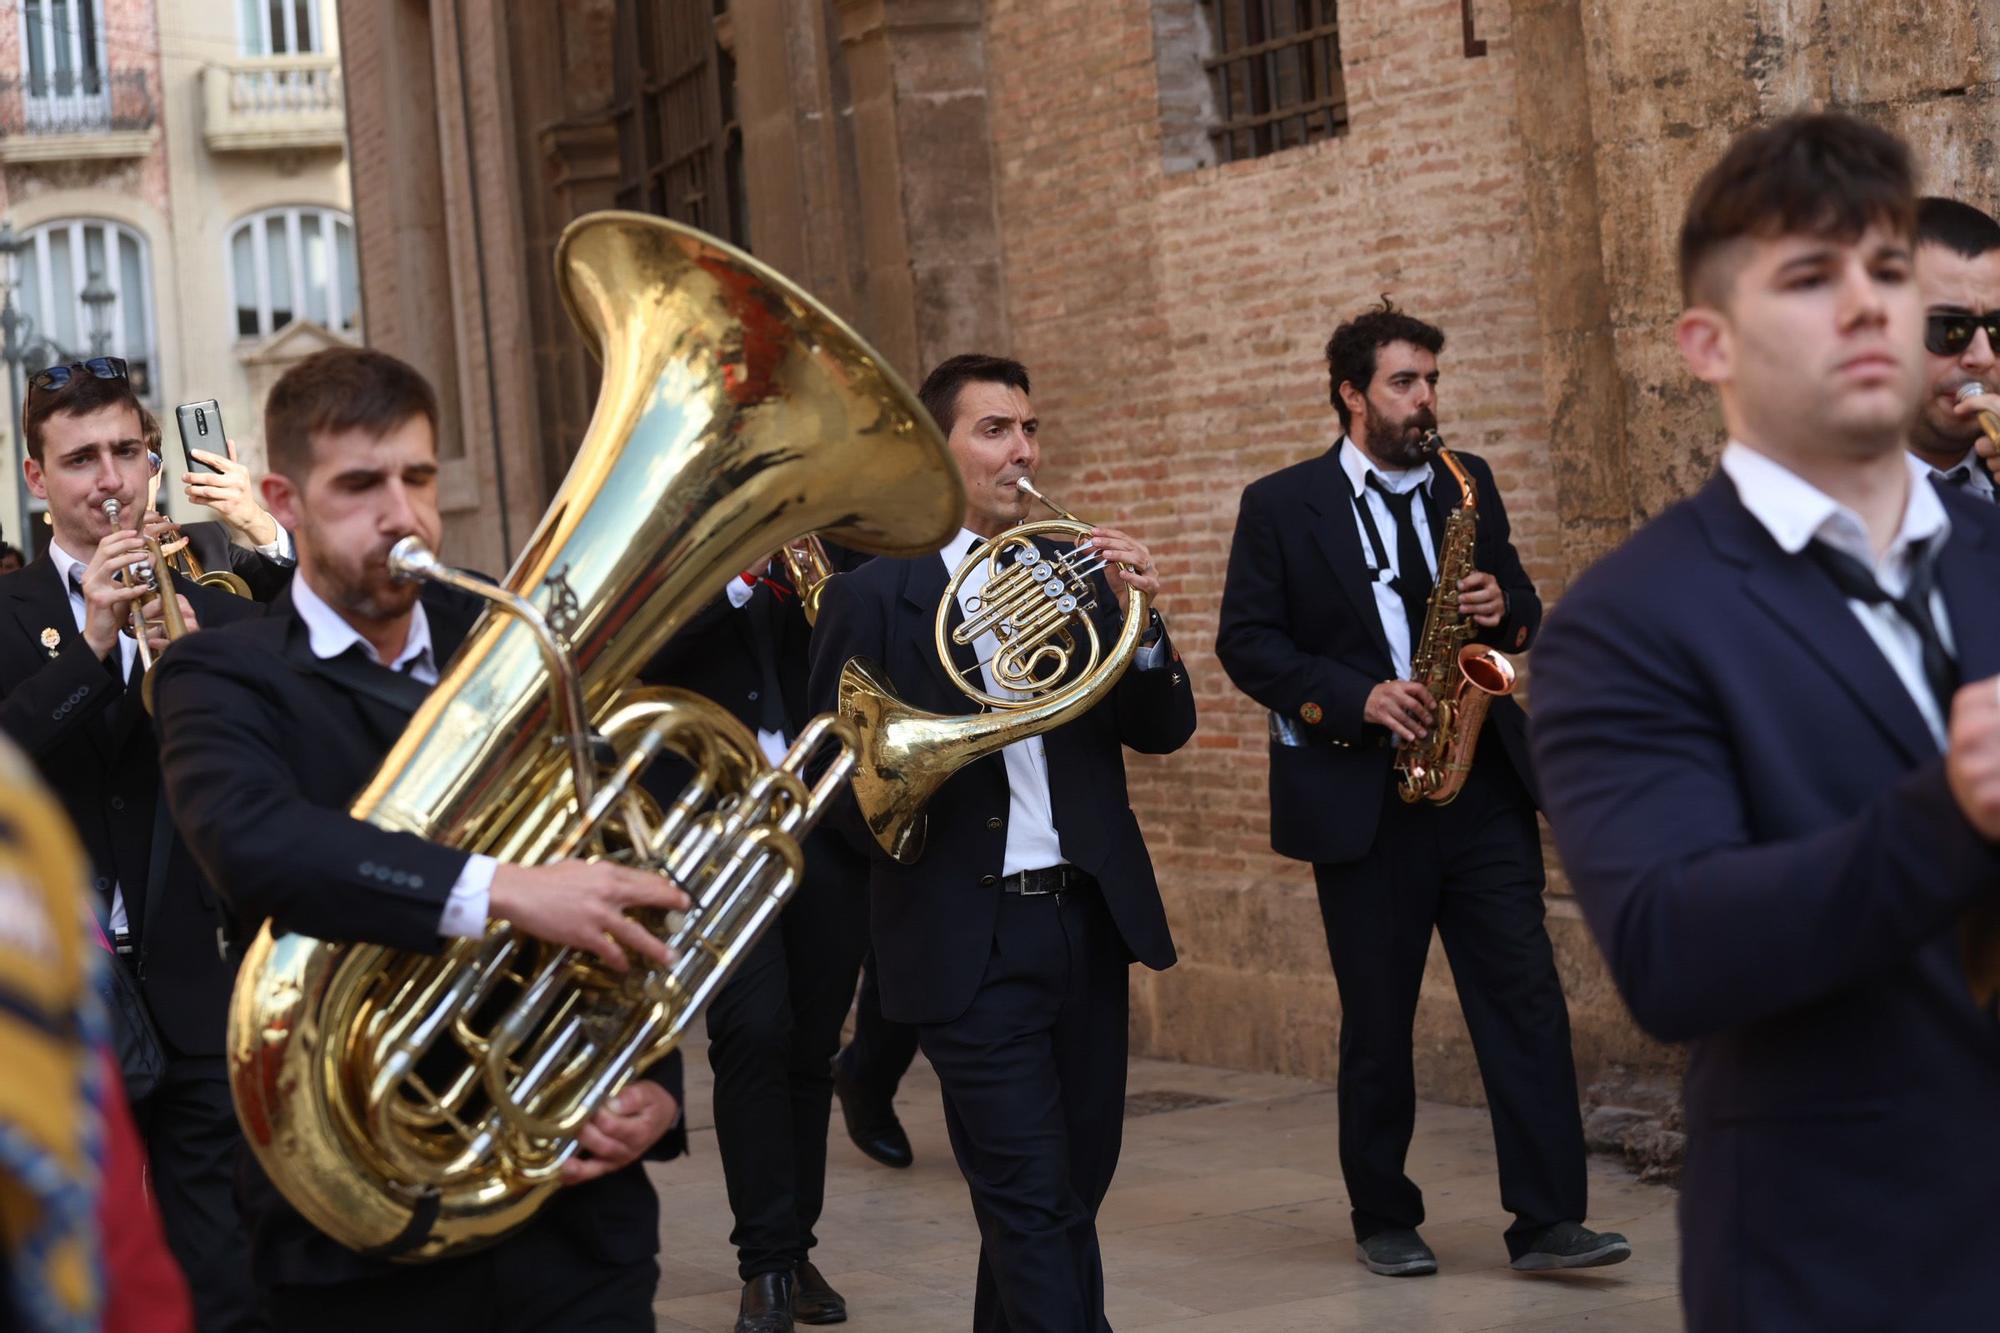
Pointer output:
x,y
1350,352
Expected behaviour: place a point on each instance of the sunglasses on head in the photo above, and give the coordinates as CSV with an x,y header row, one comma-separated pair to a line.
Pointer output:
x,y
1948,335
103,367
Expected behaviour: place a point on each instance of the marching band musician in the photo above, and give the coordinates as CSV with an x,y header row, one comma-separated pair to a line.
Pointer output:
x,y
1958,277
1330,574
1008,939
1768,731
270,729
70,673
774,1026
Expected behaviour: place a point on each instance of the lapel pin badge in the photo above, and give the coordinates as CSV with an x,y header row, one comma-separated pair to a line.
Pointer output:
x,y
51,640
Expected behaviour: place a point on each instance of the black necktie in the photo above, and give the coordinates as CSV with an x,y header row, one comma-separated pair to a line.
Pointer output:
x,y
1855,581
1413,573
1960,476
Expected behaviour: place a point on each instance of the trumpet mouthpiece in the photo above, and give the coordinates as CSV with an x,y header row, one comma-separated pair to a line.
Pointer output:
x,y
111,509
1970,389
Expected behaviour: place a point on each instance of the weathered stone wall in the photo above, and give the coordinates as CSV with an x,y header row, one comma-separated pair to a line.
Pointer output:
x,y
1528,200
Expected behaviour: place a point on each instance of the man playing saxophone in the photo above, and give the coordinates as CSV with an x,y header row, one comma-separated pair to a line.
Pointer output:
x,y
267,737
1008,937
1329,611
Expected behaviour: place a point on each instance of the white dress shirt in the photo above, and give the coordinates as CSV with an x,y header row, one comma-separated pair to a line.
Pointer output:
x,y
1978,481
329,635
1795,512
127,648
1389,602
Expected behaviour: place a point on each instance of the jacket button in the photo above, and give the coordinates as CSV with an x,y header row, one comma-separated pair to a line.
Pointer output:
x,y
416,881
989,879
118,803
994,823
103,884
753,696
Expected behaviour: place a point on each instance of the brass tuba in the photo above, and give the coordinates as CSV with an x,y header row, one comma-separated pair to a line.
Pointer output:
x,y
1049,659
413,1105
1463,677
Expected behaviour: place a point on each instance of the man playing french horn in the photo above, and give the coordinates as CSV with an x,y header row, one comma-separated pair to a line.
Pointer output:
x,y
1009,897
268,735
1371,591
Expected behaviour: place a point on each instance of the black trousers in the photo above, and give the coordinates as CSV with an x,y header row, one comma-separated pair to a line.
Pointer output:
x,y
772,1032
192,1144
1473,870
539,1281
881,1051
1033,1074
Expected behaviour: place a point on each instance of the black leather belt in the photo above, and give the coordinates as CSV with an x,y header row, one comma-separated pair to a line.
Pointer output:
x,y
1049,879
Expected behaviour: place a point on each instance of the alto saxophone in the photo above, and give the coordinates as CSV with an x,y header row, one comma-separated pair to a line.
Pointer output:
x,y
1463,677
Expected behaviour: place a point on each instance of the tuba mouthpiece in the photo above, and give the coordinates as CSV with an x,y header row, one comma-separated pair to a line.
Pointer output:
x,y
410,559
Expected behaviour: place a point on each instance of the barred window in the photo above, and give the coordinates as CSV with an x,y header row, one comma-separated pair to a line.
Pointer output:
x,y
1274,75
680,149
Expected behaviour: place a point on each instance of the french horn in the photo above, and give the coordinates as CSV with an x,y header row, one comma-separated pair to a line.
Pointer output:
x,y
1050,664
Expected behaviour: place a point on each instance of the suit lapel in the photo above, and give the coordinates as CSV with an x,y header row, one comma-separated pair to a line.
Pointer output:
x,y
1965,579
1338,534
41,604
923,591
1801,599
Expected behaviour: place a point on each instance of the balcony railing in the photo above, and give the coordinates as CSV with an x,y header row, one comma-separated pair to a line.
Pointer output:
x,y
261,103
85,113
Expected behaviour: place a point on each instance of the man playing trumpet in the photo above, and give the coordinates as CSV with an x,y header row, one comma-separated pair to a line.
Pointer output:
x,y
1007,937
70,672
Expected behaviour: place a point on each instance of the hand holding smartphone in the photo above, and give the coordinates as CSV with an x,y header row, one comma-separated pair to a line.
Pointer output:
x,y
201,428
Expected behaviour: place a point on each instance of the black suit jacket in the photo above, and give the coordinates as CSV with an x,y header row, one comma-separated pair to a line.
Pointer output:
x,y
211,545
1299,633
933,921
264,747
1756,821
91,739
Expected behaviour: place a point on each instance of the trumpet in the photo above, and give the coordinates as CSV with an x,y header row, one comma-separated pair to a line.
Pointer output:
x,y
172,624
180,558
807,563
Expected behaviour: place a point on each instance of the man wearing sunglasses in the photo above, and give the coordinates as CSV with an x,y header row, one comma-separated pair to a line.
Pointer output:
x,y
1958,277
69,696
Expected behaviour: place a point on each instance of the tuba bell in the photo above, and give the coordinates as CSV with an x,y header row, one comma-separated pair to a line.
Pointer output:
x,y
412,1105
1050,660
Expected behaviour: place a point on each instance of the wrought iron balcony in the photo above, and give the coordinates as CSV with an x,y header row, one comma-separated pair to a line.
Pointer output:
x,y
73,114
273,103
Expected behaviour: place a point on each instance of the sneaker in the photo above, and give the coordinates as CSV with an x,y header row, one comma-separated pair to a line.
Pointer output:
x,y
1573,1245
1400,1253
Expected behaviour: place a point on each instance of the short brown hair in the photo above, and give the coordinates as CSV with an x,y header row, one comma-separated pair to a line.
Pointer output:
x,y
84,394
1819,174
336,390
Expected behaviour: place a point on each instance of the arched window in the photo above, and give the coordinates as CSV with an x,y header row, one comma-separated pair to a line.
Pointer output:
x,y
294,263
56,265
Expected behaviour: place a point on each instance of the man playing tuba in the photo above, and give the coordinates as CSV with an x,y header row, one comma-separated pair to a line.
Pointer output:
x,y
269,733
1007,937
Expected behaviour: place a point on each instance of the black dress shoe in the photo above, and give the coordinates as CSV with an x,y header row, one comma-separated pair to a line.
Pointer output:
x,y
767,1304
871,1122
1398,1253
1573,1245
813,1300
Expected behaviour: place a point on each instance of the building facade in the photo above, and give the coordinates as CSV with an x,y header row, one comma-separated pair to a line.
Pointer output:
x,y
174,173
1163,207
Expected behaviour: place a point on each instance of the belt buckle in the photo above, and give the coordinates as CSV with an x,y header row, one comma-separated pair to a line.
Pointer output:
x,y
1033,882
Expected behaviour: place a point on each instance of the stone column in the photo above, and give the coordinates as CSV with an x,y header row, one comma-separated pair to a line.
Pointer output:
x,y
933,273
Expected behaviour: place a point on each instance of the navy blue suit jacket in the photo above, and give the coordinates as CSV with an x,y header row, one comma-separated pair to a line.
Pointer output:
x,y
933,921
1300,634
1756,821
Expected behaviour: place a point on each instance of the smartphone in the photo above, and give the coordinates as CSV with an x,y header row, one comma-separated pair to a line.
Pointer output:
x,y
201,428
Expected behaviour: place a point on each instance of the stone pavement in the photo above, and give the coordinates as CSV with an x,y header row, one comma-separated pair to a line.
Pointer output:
x,y
1227,1216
